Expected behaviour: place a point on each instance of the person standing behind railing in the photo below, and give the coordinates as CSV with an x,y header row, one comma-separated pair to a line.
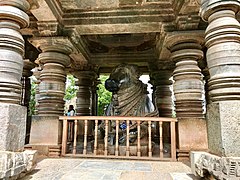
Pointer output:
x,y
71,111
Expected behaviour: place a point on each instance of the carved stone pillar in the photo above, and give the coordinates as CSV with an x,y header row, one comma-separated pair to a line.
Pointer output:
x,y
188,84
223,60
26,93
54,58
46,128
163,95
37,73
26,82
186,50
12,115
84,101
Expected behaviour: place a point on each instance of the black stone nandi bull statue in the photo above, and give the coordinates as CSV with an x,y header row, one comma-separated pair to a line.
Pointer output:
x,y
129,98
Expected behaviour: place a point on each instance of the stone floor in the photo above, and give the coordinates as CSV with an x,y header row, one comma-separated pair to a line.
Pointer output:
x,y
92,169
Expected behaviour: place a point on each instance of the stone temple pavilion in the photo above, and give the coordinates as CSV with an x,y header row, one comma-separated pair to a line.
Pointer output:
x,y
191,45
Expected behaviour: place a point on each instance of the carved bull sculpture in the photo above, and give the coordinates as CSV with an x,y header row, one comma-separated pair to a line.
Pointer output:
x,y
129,98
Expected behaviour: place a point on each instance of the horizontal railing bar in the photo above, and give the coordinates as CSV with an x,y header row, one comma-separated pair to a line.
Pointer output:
x,y
119,157
122,118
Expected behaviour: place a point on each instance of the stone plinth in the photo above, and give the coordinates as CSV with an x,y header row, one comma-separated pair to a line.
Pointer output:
x,y
192,135
46,132
13,127
223,128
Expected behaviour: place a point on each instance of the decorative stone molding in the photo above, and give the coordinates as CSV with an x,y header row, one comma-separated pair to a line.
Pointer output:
x,y
12,164
188,85
12,17
222,40
55,58
204,164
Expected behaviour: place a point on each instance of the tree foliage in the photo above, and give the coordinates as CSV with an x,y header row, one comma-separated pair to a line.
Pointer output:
x,y
32,101
71,88
104,96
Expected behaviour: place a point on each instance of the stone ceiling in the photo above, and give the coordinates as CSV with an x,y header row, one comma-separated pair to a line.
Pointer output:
x,y
109,32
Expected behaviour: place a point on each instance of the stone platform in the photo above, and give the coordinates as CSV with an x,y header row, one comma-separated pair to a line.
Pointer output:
x,y
92,169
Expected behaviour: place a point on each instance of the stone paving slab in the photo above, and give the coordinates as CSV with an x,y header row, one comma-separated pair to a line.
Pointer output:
x,y
92,169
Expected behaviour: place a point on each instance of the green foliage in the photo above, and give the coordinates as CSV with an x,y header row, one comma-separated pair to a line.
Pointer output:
x,y
71,89
104,96
32,101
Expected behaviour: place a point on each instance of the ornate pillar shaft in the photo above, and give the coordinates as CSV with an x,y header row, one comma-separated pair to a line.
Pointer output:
x,y
186,50
223,55
12,19
46,129
162,92
223,59
54,58
12,115
188,85
26,82
84,95
37,73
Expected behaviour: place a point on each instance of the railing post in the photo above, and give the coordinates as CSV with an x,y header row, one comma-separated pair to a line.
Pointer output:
x,y
138,139
127,142
106,138
117,137
161,138
173,141
149,139
64,136
85,137
75,137
95,137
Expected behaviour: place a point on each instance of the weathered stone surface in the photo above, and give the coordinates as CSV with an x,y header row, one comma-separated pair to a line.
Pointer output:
x,y
218,167
13,127
45,130
223,128
12,164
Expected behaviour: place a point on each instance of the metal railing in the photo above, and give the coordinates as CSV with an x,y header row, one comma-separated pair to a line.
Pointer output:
x,y
77,141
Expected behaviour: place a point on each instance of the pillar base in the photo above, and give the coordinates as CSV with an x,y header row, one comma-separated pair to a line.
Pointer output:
x,y
207,165
13,127
192,135
223,128
46,135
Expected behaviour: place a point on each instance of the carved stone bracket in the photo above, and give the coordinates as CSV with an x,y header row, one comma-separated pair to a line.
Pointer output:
x,y
204,164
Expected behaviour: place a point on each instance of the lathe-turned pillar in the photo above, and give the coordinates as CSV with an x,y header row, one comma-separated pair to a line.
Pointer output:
x,y
223,60
54,58
12,115
84,101
186,50
162,93
163,98
26,93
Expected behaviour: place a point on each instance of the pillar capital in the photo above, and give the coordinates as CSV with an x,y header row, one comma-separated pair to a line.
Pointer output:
x,y
54,44
186,45
209,7
161,77
14,11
